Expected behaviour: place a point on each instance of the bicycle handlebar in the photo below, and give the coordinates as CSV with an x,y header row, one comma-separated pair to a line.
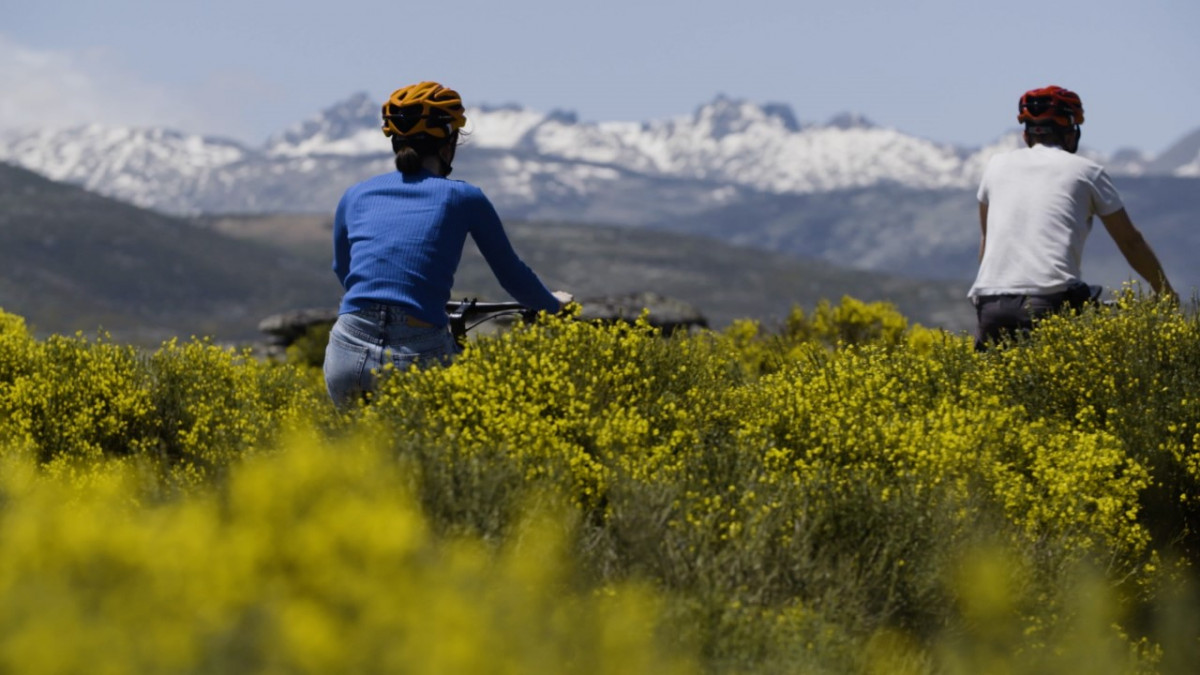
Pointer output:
x,y
474,307
460,311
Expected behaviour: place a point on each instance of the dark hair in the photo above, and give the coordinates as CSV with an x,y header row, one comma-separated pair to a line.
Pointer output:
x,y
1050,133
411,152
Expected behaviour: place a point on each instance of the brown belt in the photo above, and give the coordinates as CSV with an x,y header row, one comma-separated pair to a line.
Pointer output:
x,y
417,323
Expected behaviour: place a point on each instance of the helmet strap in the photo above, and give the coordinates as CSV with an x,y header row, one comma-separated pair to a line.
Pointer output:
x,y
446,153
1071,140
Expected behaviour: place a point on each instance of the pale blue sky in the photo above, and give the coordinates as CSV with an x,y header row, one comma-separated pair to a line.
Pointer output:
x,y
948,71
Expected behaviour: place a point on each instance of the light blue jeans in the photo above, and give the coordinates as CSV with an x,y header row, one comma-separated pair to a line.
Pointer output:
x,y
362,342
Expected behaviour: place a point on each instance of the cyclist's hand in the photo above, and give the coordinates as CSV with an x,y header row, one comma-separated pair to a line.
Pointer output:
x,y
564,298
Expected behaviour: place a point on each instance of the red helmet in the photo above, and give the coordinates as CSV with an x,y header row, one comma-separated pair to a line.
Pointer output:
x,y
1050,104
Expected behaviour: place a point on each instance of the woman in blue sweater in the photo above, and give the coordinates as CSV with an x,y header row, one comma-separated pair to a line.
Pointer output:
x,y
397,242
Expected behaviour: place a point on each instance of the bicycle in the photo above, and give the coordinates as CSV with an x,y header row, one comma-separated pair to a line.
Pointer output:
x,y
461,312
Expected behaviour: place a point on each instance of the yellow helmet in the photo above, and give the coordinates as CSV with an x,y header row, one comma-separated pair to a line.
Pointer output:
x,y
425,108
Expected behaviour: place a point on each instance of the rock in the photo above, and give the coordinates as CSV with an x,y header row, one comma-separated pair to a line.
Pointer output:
x,y
287,327
666,314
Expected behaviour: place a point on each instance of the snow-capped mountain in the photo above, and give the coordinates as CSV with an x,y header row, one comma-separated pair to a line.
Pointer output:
x,y
761,147
846,190
148,167
531,163
348,128
1181,159
757,147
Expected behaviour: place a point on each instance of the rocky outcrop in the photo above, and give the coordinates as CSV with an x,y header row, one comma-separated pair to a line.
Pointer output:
x,y
667,314
285,328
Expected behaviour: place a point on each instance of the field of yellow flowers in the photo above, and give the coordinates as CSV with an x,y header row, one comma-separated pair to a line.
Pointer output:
x,y
841,493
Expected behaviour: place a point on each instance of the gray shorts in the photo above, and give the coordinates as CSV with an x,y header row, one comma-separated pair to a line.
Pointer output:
x,y
1011,315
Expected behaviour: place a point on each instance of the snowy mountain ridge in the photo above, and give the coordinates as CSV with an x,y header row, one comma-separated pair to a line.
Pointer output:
x,y
522,157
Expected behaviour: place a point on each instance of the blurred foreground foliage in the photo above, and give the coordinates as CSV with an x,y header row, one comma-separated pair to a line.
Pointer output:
x,y
841,493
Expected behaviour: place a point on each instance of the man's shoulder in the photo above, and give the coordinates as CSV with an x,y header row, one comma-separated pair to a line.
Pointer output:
x,y
1070,158
1013,156
1083,161
1085,169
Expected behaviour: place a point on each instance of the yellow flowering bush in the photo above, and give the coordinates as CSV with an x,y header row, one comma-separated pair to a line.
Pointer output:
x,y
876,460
73,398
854,322
309,560
214,403
192,408
850,323
846,493
561,402
1131,372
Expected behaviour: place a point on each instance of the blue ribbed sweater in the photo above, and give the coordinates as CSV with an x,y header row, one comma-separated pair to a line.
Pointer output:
x,y
398,240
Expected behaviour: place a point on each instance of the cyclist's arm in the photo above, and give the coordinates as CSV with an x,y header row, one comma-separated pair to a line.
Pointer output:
x,y
1135,249
341,244
983,210
513,274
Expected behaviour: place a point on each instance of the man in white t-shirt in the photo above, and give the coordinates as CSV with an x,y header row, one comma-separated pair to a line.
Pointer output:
x,y
1035,211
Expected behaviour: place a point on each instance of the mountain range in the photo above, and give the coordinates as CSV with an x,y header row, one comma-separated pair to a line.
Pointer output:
x,y
845,190
725,149
71,260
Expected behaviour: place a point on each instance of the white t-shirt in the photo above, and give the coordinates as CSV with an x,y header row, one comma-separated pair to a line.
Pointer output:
x,y
1040,206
